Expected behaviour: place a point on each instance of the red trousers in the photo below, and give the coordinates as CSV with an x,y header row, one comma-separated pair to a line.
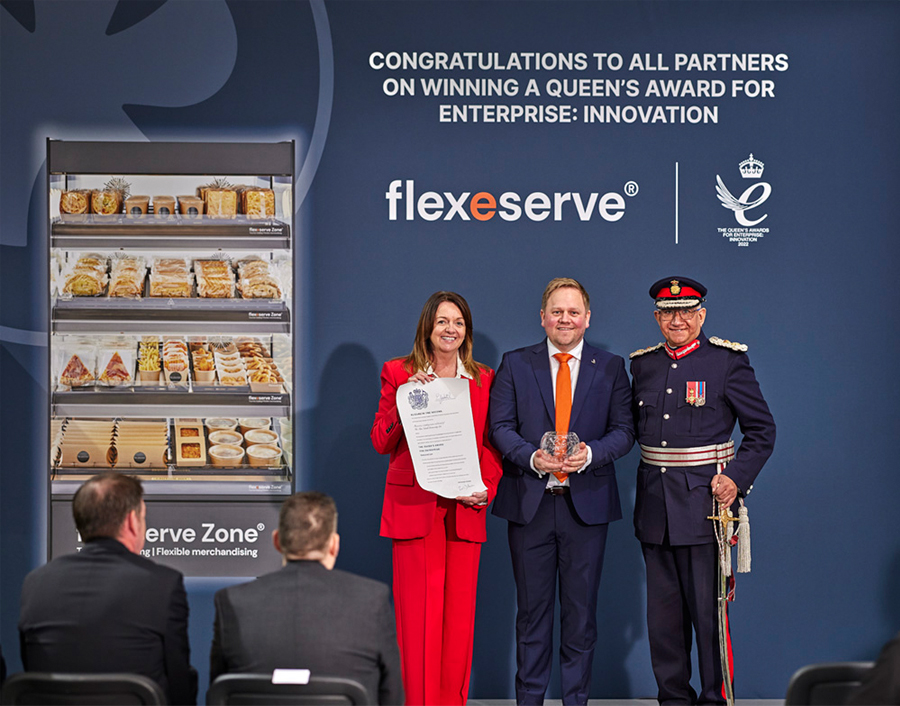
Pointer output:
x,y
435,585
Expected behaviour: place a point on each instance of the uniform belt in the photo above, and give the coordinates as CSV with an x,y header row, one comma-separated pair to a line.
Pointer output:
x,y
693,456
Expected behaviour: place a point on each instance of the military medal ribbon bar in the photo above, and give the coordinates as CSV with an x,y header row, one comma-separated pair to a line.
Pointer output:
x,y
696,393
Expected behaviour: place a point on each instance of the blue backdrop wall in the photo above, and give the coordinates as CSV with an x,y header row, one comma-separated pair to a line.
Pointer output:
x,y
648,101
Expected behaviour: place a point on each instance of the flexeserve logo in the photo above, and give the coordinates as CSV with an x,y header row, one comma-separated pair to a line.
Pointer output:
x,y
747,207
406,203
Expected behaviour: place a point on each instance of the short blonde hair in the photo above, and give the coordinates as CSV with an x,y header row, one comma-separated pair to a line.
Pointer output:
x,y
559,283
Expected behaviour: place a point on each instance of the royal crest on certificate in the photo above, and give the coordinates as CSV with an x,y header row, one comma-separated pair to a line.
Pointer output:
x,y
437,421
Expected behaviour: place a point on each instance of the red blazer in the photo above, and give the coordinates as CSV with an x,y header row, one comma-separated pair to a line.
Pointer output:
x,y
408,511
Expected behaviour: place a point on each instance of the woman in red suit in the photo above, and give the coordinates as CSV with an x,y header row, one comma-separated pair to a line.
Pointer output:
x,y
436,540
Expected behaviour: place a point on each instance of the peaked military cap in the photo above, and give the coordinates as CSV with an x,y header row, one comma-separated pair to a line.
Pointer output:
x,y
677,293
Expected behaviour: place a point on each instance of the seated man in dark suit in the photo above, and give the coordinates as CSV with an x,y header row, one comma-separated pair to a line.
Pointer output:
x,y
307,615
881,685
107,608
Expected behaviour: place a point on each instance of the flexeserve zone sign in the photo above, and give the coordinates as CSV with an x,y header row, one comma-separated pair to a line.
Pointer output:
x,y
407,201
198,539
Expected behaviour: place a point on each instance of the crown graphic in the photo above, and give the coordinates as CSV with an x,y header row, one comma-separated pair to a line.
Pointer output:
x,y
751,168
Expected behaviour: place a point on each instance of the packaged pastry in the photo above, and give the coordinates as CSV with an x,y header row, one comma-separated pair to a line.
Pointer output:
x,y
265,380
106,202
215,278
137,205
190,206
175,361
115,366
170,277
78,370
250,347
204,365
256,281
168,286
77,201
164,205
86,277
232,378
221,203
223,346
230,369
170,266
86,442
127,275
257,203
174,344
141,443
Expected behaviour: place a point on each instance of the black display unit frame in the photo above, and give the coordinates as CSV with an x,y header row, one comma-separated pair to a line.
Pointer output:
x,y
189,495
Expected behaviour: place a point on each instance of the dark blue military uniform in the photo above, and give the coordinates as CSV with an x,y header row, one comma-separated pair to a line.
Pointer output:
x,y
673,502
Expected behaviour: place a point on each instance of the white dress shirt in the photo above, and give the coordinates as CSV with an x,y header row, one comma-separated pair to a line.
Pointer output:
x,y
574,364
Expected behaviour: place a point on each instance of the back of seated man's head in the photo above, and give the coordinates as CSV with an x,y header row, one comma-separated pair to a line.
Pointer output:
x,y
307,528
103,505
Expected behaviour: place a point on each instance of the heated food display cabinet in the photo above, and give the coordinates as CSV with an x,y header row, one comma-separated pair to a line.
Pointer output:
x,y
171,340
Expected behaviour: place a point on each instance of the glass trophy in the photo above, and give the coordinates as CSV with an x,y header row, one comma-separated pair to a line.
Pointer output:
x,y
559,445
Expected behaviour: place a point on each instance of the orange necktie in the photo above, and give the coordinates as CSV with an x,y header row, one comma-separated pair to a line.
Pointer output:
x,y
563,407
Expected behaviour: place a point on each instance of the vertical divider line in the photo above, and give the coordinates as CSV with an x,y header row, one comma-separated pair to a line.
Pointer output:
x,y
676,203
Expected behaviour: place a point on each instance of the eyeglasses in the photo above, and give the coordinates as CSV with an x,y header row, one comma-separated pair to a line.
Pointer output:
x,y
685,315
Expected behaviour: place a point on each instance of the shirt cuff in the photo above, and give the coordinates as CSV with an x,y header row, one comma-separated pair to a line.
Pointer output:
x,y
590,457
540,473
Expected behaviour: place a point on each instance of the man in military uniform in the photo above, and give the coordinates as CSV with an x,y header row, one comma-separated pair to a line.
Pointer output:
x,y
688,393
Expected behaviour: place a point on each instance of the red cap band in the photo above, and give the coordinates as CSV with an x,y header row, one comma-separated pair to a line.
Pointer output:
x,y
683,293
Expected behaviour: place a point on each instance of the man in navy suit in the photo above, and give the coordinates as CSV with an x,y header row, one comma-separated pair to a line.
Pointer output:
x,y
559,509
688,393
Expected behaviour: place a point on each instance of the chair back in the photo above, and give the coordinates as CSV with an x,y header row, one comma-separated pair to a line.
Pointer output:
x,y
38,688
828,684
258,689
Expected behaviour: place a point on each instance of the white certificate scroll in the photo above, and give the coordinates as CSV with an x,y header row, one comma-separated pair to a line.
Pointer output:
x,y
437,421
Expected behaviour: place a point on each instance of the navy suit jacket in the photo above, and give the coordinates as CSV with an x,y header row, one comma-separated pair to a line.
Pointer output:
x,y
522,409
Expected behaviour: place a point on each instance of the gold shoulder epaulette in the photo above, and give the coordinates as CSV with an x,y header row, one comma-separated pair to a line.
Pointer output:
x,y
733,345
641,351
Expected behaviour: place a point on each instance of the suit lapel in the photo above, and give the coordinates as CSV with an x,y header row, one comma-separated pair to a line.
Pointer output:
x,y
586,372
540,361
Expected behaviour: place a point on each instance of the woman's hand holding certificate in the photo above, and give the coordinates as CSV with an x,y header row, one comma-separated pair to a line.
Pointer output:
x,y
437,421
